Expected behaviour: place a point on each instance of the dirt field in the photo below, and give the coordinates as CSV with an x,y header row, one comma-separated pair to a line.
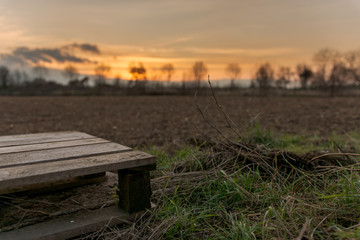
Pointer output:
x,y
173,120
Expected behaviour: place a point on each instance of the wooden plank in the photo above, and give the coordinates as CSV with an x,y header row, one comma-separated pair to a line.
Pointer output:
x,y
36,189
71,226
49,155
25,139
51,145
13,177
38,135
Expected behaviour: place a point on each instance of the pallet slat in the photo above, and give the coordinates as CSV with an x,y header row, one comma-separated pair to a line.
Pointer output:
x,y
12,177
71,226
51,155
17,140
40,135
51,145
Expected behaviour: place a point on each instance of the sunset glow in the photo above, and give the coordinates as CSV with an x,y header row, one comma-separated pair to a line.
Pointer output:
x,y
85,33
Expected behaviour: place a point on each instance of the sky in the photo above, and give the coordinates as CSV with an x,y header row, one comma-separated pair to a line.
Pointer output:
x,y
86,33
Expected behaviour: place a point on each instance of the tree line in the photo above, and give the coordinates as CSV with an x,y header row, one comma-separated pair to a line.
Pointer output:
x,y
331,70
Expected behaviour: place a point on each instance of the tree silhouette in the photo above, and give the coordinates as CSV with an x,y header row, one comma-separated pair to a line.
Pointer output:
x,y
338,77
138,72
117,80
305,74
70,72
233,70
17,77
40,71
329,69
100,72
199,71
4,76
352,62
325,60
264,76
169,70
283,77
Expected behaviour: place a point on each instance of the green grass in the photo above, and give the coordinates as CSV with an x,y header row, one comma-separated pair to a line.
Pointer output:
x,y
165,161
302,144
246,205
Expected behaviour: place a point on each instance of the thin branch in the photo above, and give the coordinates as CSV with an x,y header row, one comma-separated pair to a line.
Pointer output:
x,y
335,154
228,120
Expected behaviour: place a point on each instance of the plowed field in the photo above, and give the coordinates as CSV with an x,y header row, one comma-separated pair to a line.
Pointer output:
x,y
172,120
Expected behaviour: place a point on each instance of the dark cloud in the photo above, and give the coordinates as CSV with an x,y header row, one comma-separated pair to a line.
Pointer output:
x,y
22,56
47,55
86,47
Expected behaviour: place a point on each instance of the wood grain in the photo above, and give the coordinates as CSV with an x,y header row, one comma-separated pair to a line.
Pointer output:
x,y
36,138
50,155
12,177
70,226
51,145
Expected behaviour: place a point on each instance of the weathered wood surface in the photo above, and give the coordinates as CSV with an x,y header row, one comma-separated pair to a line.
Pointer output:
x,y
46,159
12,177
53,186
52,155
18,140
71,226
51,145
31,136
35,159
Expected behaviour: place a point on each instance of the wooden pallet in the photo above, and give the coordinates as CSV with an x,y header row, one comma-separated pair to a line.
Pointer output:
x,y
41,160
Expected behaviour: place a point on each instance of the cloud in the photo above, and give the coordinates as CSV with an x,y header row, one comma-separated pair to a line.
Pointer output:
x,y
22,56
86,47
48,55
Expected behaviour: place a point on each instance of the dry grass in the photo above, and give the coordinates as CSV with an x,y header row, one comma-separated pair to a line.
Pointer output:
x,y
233,188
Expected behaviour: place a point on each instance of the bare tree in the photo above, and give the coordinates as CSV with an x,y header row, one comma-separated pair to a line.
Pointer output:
x,y
100,73
169,70
16,77
117,81
338,77
283,77
264,76
233,70
138,72
40,71
329,66
352,62
25,76
70,72
4,76
325,60
305,74
199,70
352,59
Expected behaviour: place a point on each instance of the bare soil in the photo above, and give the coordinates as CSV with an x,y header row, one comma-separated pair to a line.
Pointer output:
x,y
172,120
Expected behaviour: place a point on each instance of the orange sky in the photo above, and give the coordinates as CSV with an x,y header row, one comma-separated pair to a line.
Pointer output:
x,y
217,32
